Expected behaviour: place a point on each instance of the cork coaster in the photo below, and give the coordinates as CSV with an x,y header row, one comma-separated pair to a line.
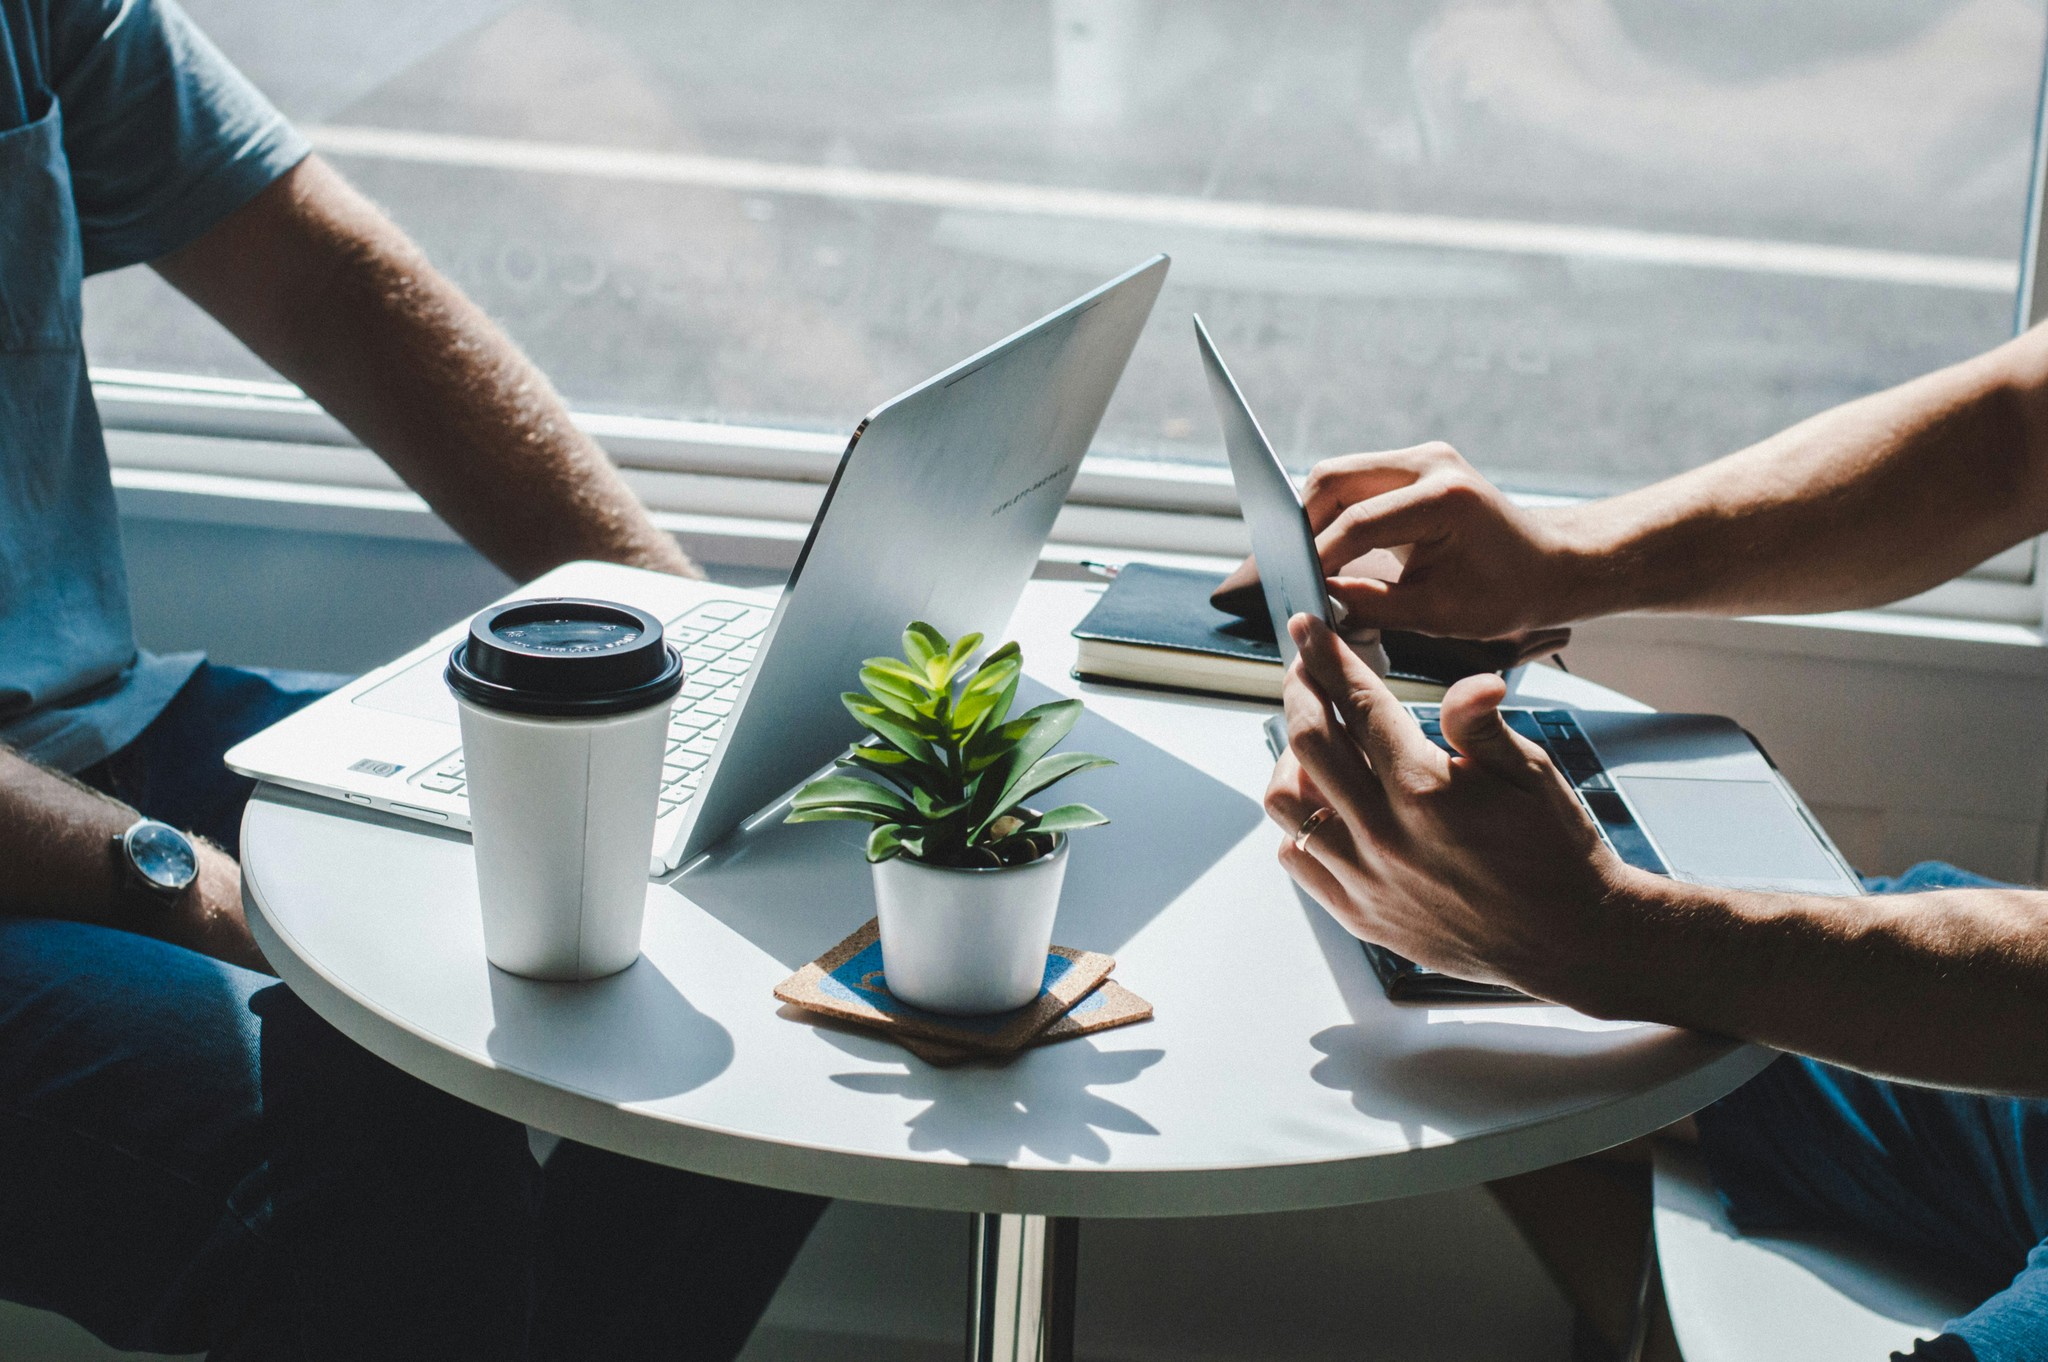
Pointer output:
x,y
846,982
1110,1005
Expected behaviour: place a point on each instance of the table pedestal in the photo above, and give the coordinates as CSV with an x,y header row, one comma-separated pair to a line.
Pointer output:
x,y
1020,1289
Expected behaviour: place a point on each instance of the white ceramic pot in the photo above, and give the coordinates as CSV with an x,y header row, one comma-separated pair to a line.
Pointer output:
x,y
967,942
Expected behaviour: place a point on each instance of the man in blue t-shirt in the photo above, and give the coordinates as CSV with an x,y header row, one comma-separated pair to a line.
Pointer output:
x,y
189,1159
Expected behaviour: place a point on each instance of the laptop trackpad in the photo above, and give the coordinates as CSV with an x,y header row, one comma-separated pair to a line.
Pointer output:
x,y
1739,833
418,691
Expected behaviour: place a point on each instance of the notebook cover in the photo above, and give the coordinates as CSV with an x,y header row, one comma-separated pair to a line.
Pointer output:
x,y
1167,607
848,982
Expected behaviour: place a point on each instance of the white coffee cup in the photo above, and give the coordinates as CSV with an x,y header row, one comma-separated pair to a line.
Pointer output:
x,y
564,709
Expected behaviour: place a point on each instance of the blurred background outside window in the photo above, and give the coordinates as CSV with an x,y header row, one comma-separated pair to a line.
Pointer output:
x,y
1590,242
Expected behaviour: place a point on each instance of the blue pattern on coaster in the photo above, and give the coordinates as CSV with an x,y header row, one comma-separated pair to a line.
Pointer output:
x,y
859,979
1094,1002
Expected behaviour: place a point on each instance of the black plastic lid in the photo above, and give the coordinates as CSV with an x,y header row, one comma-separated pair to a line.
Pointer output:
x,y
563,656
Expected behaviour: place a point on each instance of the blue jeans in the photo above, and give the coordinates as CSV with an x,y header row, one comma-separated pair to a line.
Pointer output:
x,y
1956,1182
191,1160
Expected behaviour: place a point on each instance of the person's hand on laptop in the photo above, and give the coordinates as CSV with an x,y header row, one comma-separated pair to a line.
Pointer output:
x,y
1472,563
1483,866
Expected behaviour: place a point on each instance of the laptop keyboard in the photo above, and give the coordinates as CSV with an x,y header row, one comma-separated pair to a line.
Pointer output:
x,y
719,641
1559,734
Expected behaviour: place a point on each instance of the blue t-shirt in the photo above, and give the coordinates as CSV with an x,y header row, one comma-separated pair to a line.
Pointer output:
x,y
124,134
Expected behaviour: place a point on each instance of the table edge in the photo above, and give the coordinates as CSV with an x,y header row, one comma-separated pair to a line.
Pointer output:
x,y
931,1184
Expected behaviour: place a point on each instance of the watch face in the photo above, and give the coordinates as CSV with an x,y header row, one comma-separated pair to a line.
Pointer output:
x,y
163,856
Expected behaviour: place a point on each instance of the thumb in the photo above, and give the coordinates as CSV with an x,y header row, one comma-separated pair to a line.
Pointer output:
x,y
1473,725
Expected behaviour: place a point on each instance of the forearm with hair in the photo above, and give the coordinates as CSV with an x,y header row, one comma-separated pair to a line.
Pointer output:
x,y
326,289
1865,504
1948,988
56,840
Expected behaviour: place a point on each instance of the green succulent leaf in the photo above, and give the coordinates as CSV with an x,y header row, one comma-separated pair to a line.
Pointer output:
x,y
993,742
901,769
1048,724
876,756
838,813
936,807
849,791
913,709
890,727
884,842
985,699
1041,726
911,678
922,644
1046,771
957,657
1049,769
1066,818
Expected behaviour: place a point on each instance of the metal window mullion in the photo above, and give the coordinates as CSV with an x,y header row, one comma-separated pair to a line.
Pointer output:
x,y
2031,303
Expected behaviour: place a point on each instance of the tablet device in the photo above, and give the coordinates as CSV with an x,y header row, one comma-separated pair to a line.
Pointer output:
x,y
1290,569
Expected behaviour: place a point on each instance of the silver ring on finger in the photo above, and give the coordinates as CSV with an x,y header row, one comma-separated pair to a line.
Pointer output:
x,y
1311,825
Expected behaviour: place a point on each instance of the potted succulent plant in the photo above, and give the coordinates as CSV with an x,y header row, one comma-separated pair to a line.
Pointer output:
x,y
967,875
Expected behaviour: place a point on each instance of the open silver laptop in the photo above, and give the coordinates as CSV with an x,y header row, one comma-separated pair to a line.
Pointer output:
x,y
938,511
1686,795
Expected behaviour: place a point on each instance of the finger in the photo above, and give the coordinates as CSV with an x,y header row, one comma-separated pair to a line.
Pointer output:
x,y
1314,877
1334,484
1346,480
1473,724
1328,756
1387,733
1410,515
1291,796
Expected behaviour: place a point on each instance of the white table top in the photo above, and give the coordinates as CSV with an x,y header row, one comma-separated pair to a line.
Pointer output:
x,y
1274,1076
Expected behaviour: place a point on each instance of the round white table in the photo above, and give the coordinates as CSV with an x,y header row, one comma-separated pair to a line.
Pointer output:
x,y
1274,1075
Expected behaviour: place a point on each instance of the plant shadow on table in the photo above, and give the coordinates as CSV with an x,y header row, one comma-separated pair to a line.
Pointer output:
x,y
1042,1103
553,1029
795,891
1438,1067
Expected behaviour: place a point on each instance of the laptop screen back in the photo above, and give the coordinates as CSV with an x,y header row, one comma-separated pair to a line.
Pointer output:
x,y
1290,570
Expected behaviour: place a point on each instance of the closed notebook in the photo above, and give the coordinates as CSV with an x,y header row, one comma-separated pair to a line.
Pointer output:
x,y
1154,626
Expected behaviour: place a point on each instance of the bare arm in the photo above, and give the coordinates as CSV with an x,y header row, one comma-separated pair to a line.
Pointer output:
x,y
1873,501
320,284
1484,866
1948,988
56,847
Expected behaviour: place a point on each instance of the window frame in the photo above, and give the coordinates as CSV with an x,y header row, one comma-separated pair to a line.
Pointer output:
x,y
766,482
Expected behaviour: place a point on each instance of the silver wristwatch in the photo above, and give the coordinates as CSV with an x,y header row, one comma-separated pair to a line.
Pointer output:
x,y
156,859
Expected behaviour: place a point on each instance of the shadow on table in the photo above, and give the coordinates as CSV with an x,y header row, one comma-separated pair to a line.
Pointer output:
x,y
1040,1103
1432,1066
795,891
627,1038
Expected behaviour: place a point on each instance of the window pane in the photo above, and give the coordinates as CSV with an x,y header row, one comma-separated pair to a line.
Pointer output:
x,y
1588,241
